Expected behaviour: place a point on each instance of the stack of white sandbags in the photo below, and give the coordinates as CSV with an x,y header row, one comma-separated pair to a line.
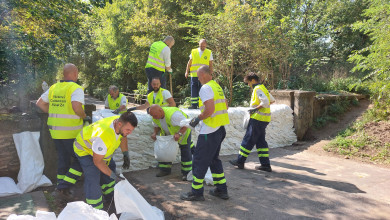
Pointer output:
x,y
279,133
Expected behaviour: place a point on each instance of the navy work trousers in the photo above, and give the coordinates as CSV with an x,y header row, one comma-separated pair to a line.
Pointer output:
x,y
186,159
195,87
66,160
153,73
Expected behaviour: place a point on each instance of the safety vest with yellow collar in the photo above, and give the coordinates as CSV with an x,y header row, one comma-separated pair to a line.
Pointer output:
x,y
220,115
83,144
154,59
115,104
63,122
169,111
263,114
198,61
159,99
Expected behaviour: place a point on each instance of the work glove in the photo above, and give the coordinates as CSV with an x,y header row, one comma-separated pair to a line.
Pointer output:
x,y
116,111
87,119
170,71
194,122
131,109
252,110
126,160
116,177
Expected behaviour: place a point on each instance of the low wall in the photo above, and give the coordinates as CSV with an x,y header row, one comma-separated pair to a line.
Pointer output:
x,y
279,133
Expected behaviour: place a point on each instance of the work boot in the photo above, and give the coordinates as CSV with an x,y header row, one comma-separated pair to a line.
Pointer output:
x,y
189,196
215,192
184,177
264,168
162,173
237,164
64,194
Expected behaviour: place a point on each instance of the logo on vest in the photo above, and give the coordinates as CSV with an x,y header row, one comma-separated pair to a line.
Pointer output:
x,y
117,104
205,57
157,100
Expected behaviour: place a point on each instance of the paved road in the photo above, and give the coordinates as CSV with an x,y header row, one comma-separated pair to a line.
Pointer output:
x,y
304,185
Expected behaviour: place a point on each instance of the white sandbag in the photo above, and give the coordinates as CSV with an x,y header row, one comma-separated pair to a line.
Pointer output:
x,y
208,177
128,200
39,215
31,161
82,211
8,187
131,216
165,148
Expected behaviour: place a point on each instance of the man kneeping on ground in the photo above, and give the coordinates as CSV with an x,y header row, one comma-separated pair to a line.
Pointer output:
x,y
166,121
94,148
214,116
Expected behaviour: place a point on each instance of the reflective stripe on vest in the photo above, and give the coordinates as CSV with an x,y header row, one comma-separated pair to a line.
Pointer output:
x,y
263,114
168,112
63,122
154,60
83,143
220,115
198,61
159,100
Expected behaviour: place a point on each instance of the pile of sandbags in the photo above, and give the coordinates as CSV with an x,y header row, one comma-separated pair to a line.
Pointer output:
x,y
279,133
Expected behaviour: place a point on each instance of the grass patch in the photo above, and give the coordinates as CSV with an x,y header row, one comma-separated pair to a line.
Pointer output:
x,y
334,111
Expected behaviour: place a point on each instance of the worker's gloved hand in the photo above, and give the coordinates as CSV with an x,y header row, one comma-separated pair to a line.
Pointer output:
x,y
87,119
116,111
194,122
170,71
131,109
126,160
252,110
116,177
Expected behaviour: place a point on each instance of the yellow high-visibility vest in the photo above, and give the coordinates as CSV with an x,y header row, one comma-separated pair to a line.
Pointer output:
x,y
83,144
159,100
115,104
63,122
154,59
198,61
169,111
263,114
220,115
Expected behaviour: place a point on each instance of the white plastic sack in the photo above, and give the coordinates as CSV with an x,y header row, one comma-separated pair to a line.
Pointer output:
x,y
165,148
208,178
245,122
83,211
39,215
131,216
8,187
128,200
31,161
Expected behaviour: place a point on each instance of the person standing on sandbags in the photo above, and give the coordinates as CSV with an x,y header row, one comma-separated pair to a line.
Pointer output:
x,y
159,96
94,147
115,100
260,116
166,121
64,101
214,116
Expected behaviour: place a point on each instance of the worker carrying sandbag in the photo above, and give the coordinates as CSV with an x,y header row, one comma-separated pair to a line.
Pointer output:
x,y
166,121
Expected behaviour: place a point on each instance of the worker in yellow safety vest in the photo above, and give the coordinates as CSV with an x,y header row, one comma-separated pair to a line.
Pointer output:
x,y
260,116
213,118
198,57
94,148
159,96
159,60
64,101
115,100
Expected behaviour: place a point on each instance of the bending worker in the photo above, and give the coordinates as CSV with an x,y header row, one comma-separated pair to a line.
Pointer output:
x,y
64,102
198,57
115,100
94,148
166,121
255,132
159,96
214,116
159,60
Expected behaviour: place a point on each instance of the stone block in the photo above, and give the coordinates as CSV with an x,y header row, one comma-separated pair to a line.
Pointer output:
x,y
303,111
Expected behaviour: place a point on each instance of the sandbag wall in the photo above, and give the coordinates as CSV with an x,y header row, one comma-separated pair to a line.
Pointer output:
x,y
280,132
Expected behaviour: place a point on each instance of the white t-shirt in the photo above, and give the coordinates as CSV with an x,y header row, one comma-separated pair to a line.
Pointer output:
x,y
98,146
176,118
165,93
206,93
166,56
123,101
77,95
200,54
263,98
